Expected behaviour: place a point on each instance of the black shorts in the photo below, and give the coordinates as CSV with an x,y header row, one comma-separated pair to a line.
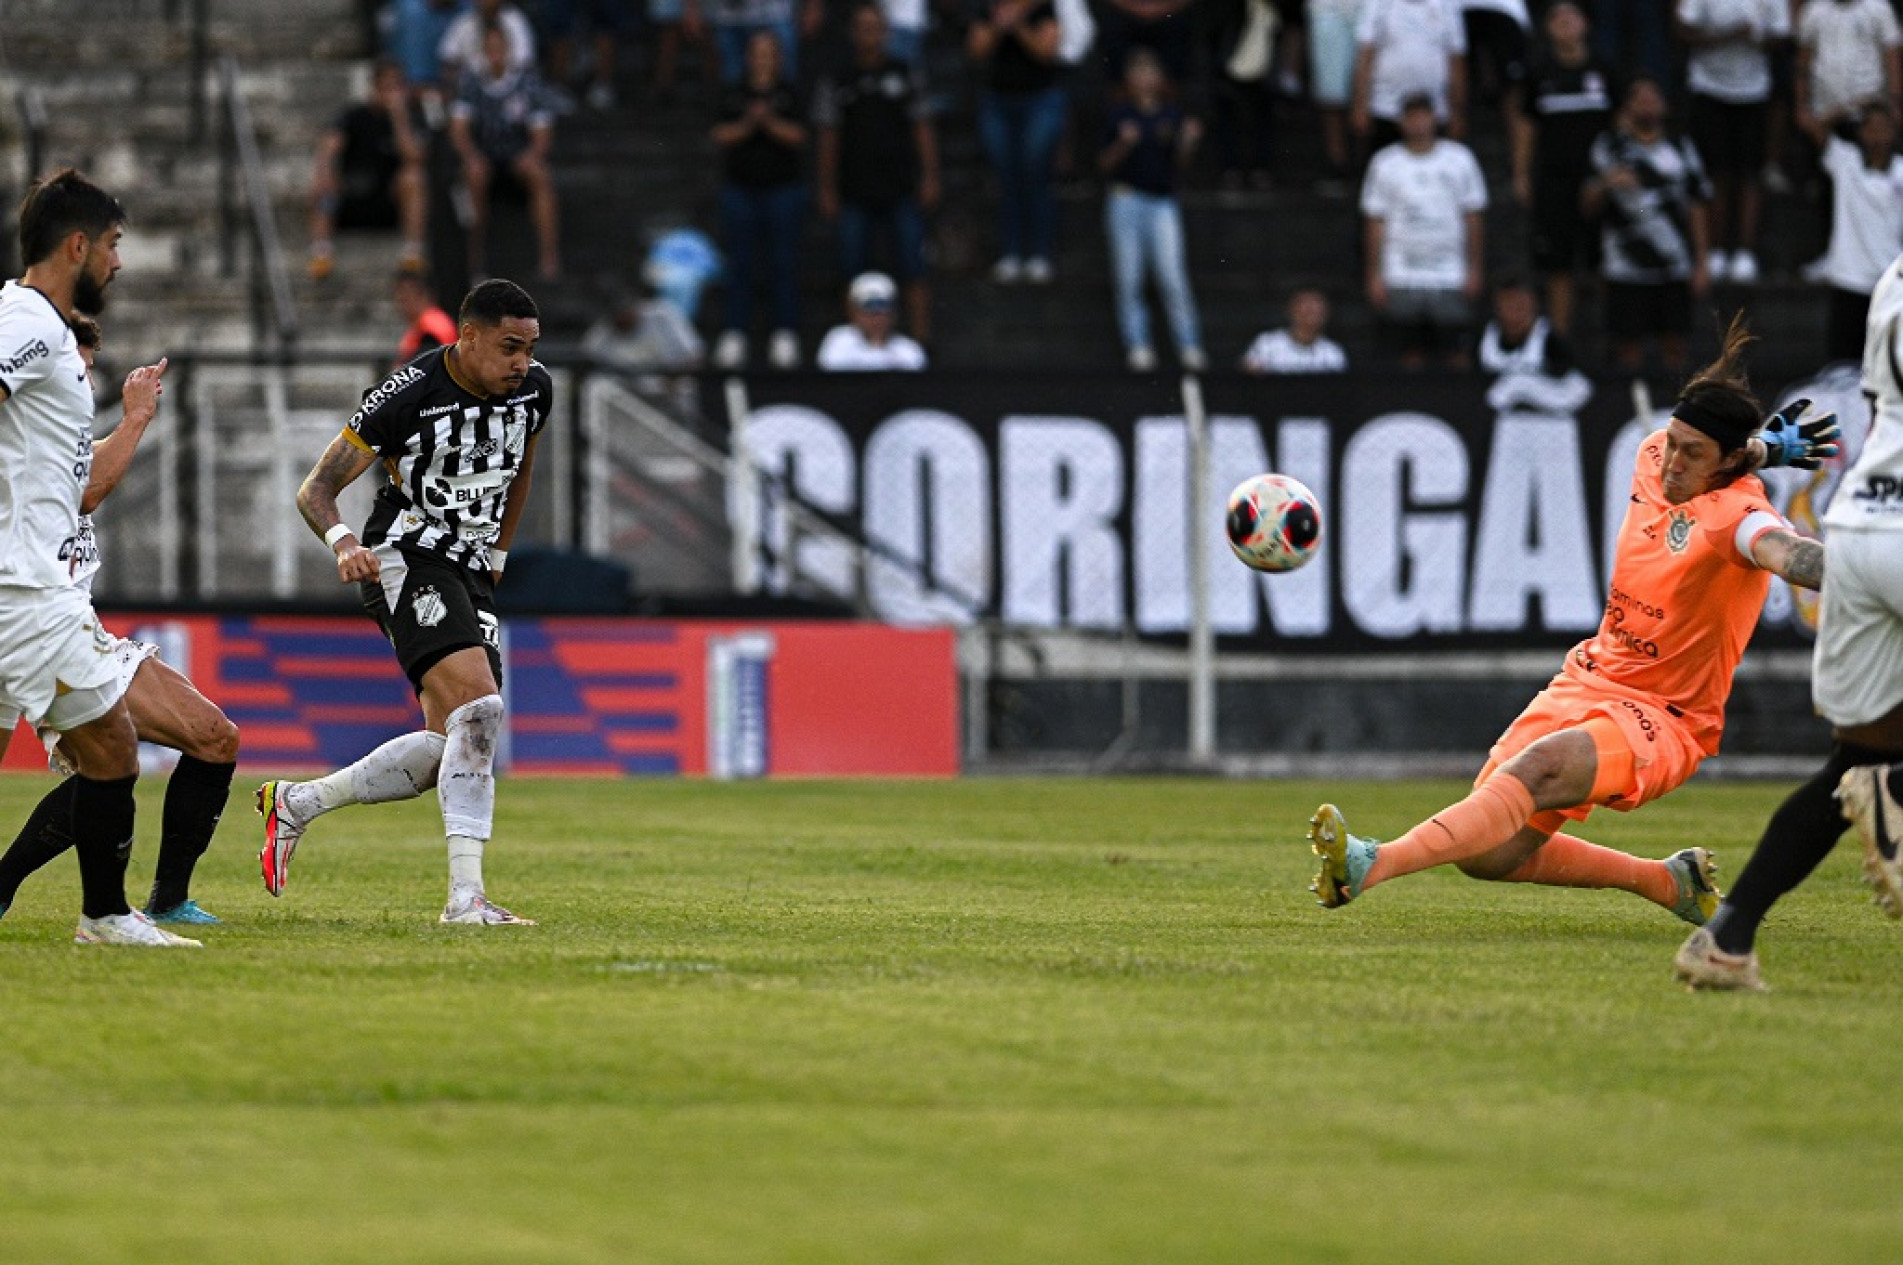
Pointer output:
x,y
1729,138
1496,40
1565,239
1636,311
441,608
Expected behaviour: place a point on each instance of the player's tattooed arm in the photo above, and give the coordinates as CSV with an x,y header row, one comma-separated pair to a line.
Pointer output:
x,y
336,470
1799,560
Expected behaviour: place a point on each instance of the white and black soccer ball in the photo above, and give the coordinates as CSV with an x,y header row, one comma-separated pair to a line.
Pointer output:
x,y
1274,523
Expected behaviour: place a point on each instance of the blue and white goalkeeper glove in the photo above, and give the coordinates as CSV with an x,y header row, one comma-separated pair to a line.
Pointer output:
x,y
1790,439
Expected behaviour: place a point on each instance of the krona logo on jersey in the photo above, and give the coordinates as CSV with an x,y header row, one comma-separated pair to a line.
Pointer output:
x,y
377,396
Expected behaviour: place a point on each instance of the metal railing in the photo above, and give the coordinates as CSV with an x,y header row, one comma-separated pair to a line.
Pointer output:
x,y
274,320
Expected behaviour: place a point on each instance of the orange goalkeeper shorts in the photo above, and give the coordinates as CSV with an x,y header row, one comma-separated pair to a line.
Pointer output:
x,y
1663,754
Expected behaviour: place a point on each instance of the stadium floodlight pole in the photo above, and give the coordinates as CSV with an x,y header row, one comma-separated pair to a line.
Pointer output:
x,y
743,490
1202,640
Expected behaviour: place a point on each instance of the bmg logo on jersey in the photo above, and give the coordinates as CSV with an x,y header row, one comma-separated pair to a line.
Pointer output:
x,y
25,355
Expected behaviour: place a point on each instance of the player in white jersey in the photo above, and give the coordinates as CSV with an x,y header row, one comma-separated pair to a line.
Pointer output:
x,y
1856,683
56,661
166,708
455,430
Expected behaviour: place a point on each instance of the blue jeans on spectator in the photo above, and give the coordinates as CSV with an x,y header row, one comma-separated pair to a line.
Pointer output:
x,y
1642,26
902,222
1020,131
416,29
731,42
761,227
1146,234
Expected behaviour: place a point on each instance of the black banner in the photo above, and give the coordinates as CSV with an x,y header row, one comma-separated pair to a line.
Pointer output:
x,y
1455,516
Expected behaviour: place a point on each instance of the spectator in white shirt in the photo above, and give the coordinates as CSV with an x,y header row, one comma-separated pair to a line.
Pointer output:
x,y
461,52
867,342
1405,48
1847,58
1729,74
1866,224
1423,200
1304,347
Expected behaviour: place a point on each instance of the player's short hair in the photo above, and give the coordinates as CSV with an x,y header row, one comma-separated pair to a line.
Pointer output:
x,y
1718,400
494,301
57,207
85,330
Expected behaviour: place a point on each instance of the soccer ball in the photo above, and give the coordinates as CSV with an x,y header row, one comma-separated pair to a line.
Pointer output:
x,y
1274,523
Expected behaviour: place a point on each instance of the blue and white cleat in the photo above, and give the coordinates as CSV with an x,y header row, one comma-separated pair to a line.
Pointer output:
x,y
186,912
1697,877
1346,858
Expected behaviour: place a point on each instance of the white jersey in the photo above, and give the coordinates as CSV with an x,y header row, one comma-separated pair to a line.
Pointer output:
x,y
1870,494
46,440
1278,352
84,555
1423,201
846,349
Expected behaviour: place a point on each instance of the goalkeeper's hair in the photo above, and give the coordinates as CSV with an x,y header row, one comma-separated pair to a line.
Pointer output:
x,y
1719,396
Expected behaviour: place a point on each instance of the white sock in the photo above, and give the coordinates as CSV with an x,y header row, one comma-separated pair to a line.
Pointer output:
x,y
465,866
466,785
401,768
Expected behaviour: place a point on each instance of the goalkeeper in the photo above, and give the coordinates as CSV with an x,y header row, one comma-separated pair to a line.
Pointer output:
x,y
1640,704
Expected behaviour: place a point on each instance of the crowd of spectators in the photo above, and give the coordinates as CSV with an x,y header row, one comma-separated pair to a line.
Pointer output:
x,y
1635,139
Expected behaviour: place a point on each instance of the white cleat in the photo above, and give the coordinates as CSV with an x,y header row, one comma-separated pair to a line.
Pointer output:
x,y
475,910
1701,964
1864,795
132,928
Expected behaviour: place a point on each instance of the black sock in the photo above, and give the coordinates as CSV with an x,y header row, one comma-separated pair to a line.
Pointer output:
x,y
1895,780
47,833
103,813
194,800
1798,837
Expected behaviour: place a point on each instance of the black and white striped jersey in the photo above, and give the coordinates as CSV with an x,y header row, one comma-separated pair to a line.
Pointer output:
x,y
450,455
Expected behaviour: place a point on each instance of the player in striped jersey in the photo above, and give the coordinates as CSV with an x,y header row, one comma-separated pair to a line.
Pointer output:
x,y
165,707
455,431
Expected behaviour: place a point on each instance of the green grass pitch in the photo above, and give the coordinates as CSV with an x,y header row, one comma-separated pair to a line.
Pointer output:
x,y
977,1021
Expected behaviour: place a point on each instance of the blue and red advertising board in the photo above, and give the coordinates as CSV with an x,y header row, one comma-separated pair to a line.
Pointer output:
x,y
590,696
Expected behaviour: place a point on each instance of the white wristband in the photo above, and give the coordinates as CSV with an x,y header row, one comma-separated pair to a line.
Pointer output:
x,y
336,534
498,558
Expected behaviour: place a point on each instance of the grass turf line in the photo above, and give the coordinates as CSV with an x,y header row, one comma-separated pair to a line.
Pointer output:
x,y
1088,1020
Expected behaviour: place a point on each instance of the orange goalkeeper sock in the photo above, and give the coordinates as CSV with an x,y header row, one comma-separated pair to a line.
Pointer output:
x,y
1568,862
1498,809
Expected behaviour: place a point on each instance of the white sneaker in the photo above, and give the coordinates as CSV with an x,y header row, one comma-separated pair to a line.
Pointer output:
x,y
1007,271
1718,265
472,909
1744,268
1700,963
1038,271
1140,359
1193,359
1864,795
132,928
730,352
783,349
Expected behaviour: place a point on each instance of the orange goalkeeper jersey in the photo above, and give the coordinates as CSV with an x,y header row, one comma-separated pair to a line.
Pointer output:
x,y
1684,597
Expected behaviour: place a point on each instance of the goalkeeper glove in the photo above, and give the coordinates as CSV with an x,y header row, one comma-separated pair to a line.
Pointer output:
x,y
1791,440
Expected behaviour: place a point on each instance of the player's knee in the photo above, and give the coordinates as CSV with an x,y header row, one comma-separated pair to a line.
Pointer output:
x,y
217,742
1488,869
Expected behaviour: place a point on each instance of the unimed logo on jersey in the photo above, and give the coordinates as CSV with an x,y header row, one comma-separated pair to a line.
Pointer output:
x,y
380,395
25,356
